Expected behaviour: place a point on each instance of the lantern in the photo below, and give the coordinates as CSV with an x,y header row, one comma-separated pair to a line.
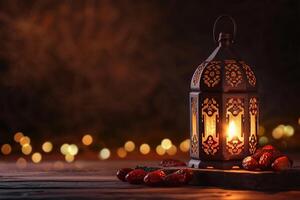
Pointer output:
x,y
223,108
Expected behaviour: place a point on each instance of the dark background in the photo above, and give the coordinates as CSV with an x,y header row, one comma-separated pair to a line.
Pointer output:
x,y
122,69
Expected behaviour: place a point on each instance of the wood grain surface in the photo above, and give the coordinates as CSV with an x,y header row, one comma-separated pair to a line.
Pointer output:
x,y
96,180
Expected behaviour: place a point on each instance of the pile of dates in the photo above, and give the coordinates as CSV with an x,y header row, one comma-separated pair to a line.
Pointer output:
x,y
267,158
157,176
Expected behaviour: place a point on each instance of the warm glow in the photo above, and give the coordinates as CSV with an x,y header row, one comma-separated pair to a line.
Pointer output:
x,y
166,143
261,131
18,136
160,150
26,149
73,149
36,157
87,140
69,158
129,146
263,140
172,151
21,163
289,131
278,132
47,147
24,140
104,154
6,149
121,152
144,149
232,130
64,149
185,145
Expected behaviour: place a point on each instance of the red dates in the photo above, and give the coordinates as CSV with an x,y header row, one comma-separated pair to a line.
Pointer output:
x,y
136,176
121,173
155,178
281,163
250,163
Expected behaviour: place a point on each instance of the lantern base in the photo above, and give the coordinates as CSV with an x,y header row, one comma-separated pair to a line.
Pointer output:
x,y
194,163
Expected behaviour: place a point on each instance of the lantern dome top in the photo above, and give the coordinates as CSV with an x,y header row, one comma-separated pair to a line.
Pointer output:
x,y
223,70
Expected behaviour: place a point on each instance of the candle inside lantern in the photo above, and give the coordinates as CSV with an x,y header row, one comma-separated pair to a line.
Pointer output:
x,y
232,130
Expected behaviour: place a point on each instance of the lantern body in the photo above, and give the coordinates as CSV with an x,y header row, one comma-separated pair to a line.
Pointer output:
x,y
223,109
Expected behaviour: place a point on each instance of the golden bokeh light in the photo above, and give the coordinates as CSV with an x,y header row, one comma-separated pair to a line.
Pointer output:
x,y
21,163
24,140
18,136
129,146
145,149
104,154
87,139
47,147
261,130
172,151
185,145
73,149
160,150
36,157
263,140
278,132
121,152
166,143
69,158
6,149
289,131
26,149
64,148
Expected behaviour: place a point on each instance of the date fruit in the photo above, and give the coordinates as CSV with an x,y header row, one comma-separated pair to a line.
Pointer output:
x,y
155,178
172,163
136,176
250,163
180,177
282,163
257,154
265,160
121,173
269,148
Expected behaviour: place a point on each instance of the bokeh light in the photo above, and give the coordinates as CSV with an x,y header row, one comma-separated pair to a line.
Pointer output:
x,y
159,150
6,149
289,131
64,148
121,152
47,147
36,157
185,145
261,130
145,149
263,140
87,139
21,163
69,158
18,136
129,146
72,149
278,132
24,140
26,149
172,151
166,143
104,154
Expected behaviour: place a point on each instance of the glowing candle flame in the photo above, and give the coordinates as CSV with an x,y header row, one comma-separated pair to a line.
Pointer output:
x,y
232,130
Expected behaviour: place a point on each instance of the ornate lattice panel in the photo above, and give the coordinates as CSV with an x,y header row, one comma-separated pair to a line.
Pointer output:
x,y
253,113
210,118
212,73
194,126
249,73
233,75
235,119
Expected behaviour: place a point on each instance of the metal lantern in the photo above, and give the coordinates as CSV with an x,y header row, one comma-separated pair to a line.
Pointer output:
x,y
223,107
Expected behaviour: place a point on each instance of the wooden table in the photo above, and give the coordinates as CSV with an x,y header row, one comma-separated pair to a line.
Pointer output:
x,y
96,180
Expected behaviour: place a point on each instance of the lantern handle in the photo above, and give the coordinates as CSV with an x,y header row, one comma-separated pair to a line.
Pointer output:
x,y
218,19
